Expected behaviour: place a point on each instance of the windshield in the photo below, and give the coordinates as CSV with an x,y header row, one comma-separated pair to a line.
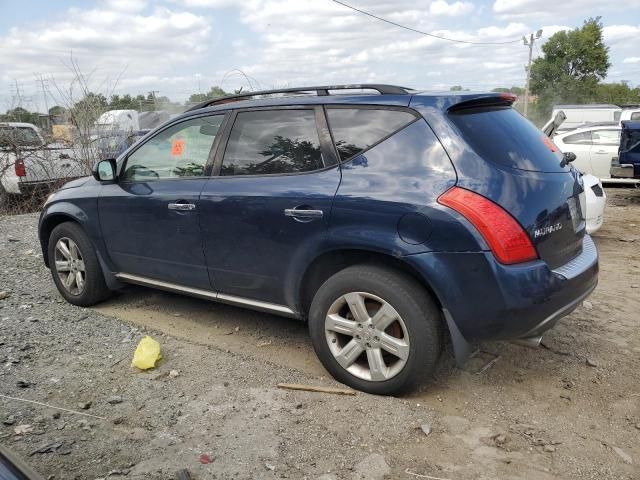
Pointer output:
x,y
19,137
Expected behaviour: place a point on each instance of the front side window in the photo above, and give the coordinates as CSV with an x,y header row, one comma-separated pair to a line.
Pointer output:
x,y
273,142
357,129
606,137
582,138
181,150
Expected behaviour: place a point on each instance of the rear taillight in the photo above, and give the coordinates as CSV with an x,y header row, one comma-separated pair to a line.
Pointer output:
x,y
506,238
20,170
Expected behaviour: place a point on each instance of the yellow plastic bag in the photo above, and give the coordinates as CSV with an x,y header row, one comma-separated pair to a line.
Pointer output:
x,y
147,354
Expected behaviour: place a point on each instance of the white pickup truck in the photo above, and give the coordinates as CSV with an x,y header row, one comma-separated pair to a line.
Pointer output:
x,y
29,165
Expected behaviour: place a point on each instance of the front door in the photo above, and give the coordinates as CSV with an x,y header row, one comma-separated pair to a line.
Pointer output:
x,y
150,217
267,212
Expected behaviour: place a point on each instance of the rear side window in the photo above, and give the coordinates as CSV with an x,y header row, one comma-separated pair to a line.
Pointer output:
x,y
606,137
357,129
635,116
582,138
504,136
273,142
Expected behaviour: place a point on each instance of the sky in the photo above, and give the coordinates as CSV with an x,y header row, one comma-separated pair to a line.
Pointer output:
x,y
180,47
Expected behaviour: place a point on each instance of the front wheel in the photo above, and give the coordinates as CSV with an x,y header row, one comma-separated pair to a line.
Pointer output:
x,y
75,267
375,329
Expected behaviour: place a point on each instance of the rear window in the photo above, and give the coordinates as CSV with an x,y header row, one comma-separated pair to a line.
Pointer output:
x,y
358,129
504,136
19,137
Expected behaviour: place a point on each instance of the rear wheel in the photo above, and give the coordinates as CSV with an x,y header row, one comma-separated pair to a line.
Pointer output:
x,y
75,267
375,329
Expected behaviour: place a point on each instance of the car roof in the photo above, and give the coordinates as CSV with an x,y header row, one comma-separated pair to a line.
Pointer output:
x,y
587,106
17,124
386,95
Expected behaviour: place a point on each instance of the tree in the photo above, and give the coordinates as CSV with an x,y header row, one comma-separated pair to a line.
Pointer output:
x,y
617,93
20,114
515,90
87,110
573,64
126,102
456,88
57,110
214,92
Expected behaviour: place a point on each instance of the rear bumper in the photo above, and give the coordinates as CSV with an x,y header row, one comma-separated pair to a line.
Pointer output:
x,y
491,301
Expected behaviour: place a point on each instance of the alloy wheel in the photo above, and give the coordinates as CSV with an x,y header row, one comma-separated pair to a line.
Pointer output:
x,y
70,266
367,336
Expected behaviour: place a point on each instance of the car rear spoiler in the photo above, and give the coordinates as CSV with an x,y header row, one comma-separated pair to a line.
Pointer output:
x,y
483,100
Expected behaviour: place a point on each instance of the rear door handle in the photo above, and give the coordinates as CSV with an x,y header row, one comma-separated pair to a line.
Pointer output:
x,y
601,151
299,213
182,207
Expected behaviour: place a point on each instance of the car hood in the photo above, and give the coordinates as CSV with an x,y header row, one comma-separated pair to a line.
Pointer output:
x,y
78,182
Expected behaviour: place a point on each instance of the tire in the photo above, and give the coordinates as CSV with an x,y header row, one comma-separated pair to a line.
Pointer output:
x,y
94,288
417,334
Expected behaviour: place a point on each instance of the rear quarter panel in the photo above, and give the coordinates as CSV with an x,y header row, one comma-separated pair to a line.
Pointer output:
x,y
536,199
397,182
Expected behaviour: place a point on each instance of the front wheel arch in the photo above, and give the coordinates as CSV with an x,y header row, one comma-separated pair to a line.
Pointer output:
x,y
47,226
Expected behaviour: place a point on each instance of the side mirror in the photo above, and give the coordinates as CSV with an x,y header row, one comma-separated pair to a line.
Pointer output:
x,y
105,170
567,158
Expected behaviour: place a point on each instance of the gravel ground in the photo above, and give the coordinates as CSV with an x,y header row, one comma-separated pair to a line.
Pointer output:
x,y
570,410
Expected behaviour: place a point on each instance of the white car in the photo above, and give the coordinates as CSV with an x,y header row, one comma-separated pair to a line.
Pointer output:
x,y
594,146
28,163
595,203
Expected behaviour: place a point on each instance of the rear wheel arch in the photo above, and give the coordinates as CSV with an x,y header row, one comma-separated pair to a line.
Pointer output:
x,y
329,263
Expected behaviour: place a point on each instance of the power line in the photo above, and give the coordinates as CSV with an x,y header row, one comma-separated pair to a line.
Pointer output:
x,y
390,22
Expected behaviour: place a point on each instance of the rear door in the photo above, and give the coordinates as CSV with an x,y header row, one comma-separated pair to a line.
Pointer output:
x,y
267,211
605,144
579,143
150,217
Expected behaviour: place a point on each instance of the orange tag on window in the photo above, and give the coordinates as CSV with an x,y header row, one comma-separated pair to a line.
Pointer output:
x,y
177,146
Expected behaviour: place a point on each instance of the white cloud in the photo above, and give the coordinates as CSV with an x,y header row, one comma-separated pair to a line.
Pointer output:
x,y
536,8
289,43
107,38
125,5
455,9
617,33
205,3
631,60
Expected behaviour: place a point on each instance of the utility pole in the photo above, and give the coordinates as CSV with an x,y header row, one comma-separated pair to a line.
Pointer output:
x,y
43,85
528,42
152,94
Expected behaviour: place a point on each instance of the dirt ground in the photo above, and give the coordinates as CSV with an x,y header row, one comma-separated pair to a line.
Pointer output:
x,y
570,410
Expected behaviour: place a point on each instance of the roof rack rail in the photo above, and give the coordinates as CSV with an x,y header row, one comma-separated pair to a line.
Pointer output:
x,y
323,90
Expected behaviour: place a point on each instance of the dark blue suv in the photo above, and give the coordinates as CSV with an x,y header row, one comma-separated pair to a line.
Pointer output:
x,y
387,218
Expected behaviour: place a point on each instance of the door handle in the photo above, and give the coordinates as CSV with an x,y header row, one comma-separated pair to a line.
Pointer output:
x,y
601,151
181,207
300,213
